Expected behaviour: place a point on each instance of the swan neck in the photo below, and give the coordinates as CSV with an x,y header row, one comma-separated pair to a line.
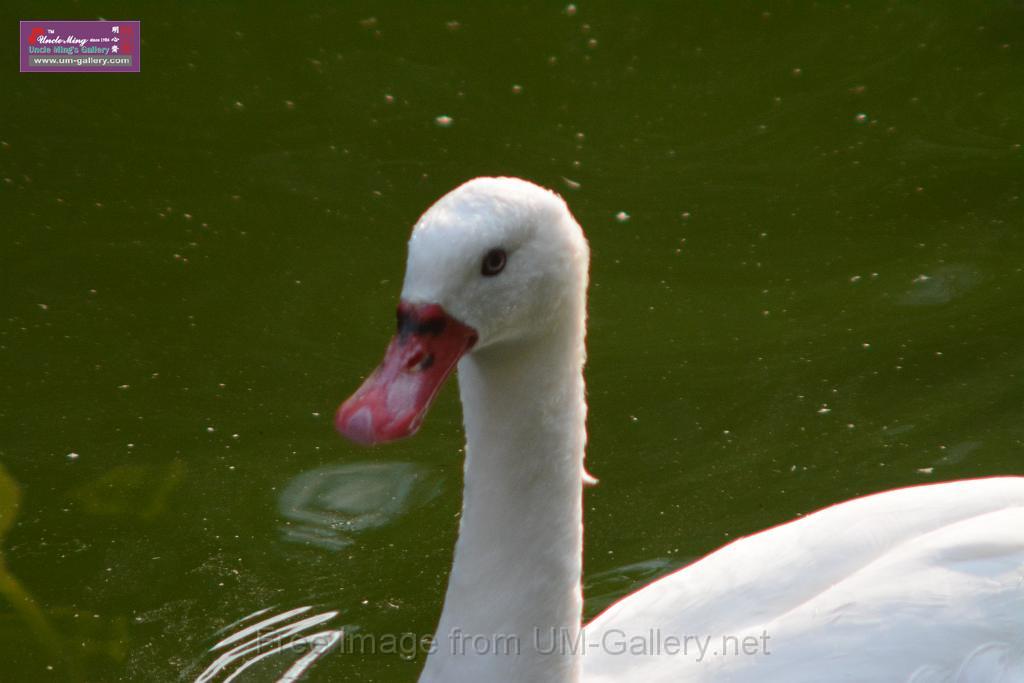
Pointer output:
x,y
515,586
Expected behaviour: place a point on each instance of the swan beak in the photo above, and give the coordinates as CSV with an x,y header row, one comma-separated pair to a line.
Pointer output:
x,y
392,402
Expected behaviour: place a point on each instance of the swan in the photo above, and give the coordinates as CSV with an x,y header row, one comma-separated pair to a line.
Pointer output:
x,y
922,584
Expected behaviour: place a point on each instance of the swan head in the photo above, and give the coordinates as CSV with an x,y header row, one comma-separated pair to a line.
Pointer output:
x,y
494,262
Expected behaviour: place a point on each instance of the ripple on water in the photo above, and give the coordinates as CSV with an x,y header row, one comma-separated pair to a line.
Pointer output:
x,y
300,636
604,588
328,506
942,285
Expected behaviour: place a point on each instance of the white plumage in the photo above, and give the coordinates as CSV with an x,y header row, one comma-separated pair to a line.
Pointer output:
x,y
923,584
918,585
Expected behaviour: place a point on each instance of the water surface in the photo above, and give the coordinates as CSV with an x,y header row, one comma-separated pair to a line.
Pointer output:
x,y
806,224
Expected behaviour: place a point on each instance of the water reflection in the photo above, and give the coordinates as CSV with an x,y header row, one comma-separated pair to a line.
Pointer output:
x,y
11,590
131,489
328,506
291,635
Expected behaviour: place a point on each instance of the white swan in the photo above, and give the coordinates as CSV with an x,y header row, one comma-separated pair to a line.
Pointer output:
x,y
922,584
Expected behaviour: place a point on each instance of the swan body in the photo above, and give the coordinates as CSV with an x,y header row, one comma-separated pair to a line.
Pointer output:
x,y
919,585
923,585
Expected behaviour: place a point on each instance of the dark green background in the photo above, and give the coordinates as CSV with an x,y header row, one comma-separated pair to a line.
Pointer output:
x,y
219,241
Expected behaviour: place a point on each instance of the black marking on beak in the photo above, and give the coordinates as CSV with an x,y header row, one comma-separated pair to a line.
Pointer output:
x,y
409,324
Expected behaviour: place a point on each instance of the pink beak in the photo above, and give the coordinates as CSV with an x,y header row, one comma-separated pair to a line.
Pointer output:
x,y
393,401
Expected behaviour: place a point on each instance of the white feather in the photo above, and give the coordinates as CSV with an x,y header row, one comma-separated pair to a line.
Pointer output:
x,y
922,585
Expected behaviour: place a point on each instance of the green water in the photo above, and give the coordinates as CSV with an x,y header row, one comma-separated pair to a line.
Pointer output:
x,y
818,294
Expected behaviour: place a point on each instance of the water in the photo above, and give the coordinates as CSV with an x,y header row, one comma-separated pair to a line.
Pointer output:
x,y
806,231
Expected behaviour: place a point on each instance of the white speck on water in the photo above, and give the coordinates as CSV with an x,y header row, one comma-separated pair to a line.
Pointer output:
x,y
44,307
234,436
390,99
72,456
211,430
926,470
824,409
861,118
866,345
315,414
289,104
685,215
622,217
238,106
855,278
570,183
570,10
797,72
921,278
444,121
124,386
517,89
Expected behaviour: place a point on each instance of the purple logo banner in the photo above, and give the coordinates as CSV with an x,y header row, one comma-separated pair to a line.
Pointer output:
x,y
80,45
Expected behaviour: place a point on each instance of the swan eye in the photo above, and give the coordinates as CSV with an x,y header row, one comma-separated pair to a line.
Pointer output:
x,y
494,262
